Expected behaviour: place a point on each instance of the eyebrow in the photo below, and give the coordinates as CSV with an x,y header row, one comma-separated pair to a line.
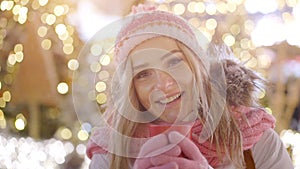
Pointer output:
x,y
162,58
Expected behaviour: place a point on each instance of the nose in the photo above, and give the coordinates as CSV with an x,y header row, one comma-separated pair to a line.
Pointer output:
x,y
164,80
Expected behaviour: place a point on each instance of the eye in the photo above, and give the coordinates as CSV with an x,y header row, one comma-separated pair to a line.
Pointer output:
x,y
174,61
143,74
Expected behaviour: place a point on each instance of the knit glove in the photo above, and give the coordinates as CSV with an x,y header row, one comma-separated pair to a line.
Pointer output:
x,y
155,147
191,158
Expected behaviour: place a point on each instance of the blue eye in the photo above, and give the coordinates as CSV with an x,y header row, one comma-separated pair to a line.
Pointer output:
x,y
174,61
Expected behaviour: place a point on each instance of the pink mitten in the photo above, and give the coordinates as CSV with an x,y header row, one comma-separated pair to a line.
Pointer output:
x,y
193,158
157,146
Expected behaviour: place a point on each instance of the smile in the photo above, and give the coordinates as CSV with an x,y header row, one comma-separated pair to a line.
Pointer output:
x,y
169,99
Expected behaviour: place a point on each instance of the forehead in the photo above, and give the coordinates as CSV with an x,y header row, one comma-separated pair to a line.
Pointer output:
x,y
152,50
163,43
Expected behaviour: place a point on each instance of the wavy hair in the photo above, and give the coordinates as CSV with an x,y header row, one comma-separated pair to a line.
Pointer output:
x,y
210,102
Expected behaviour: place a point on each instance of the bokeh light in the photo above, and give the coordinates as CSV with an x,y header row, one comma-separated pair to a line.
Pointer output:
x,y
62,88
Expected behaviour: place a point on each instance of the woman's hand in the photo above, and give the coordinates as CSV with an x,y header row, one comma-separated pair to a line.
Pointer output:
x,y
155,147
193,159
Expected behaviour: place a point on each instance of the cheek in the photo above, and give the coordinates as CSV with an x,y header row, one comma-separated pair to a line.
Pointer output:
x,y
183,76
143,93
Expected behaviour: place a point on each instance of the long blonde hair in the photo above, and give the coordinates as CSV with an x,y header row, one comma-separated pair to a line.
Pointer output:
x,y
225,134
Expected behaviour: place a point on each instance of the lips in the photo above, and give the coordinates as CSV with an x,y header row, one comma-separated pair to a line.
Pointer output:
x,y
169,99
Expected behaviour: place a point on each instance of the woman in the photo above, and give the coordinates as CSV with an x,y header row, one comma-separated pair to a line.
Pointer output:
x,y
164,77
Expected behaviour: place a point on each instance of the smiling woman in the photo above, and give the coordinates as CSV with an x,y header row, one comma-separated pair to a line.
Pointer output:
x,y
201,103
162,78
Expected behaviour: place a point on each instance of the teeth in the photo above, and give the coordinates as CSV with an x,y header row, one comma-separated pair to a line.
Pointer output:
x,y
169,99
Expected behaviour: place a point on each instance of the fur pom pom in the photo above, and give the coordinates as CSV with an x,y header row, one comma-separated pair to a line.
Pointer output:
x,y
242,82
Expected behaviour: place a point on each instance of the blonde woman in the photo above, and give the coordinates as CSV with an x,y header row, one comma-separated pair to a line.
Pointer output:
x,y
163,77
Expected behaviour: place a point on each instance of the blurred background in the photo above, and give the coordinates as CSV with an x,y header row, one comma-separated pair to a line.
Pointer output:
x,y
40,41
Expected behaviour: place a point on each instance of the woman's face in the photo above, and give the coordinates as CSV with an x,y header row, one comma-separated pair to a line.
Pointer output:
x,y
162,79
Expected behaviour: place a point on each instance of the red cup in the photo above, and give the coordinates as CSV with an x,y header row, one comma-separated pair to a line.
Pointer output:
x,y
184,129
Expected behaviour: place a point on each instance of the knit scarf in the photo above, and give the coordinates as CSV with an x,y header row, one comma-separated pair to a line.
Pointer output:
x,y
252,125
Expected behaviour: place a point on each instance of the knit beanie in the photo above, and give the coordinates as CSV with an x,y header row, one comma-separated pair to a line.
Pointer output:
x,y
147,22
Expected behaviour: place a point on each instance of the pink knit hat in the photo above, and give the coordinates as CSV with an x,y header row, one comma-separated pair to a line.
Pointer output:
x,y
147,22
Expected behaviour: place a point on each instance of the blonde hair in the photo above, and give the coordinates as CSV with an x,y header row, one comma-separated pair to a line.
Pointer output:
x,y
225,135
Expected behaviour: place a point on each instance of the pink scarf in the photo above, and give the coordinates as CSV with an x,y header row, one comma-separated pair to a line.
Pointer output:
x,y
252,128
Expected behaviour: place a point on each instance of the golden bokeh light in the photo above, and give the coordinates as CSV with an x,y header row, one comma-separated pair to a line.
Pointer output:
x,y
191,7
231,7
46,44
211,24
178,9
104,60
50,19
69,40
22,19
16,9
6,96
20,122
35,5
44,17
60,29
103,75
64,36
3,5
228,39
244,43
211,9
101,98
65,133
68,49
96,49
42,31
200,7
23,11
73,64
6,5
43,2
18,48
95,67
62,88
11,59
222,7
2,103
19,56
83,135
58,10
100,86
